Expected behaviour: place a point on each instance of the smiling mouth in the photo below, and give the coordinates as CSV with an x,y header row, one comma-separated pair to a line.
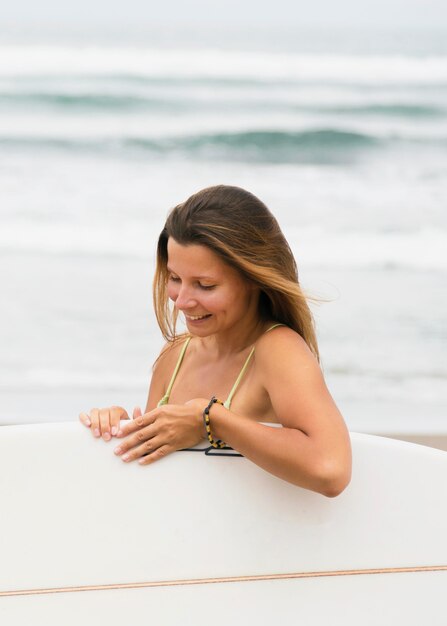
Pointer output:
x,y
194,318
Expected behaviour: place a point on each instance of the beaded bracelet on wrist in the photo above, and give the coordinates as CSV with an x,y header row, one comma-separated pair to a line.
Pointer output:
x,y
206,420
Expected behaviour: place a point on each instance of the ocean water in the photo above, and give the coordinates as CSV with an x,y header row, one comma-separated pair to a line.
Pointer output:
x,y
346,145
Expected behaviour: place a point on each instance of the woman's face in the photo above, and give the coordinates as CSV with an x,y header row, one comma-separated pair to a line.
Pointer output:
x,y
212,296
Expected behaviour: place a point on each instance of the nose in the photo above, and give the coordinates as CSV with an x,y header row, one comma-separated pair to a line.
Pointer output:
x,y
185,299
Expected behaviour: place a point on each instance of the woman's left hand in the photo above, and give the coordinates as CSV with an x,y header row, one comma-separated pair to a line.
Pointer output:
x,y
163,430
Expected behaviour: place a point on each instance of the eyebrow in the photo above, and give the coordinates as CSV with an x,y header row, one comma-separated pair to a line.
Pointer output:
x,y
194,277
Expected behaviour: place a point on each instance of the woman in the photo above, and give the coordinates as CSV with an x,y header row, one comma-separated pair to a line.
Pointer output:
x,y
224,263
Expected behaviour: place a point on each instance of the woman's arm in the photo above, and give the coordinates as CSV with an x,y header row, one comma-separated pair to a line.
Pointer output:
x,y
312,449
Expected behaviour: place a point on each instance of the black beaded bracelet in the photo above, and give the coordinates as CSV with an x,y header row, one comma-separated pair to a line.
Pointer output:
x,y
206,421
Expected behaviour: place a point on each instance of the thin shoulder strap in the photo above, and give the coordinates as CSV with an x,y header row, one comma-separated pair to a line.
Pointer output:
x,y
274,326
165,398
227,402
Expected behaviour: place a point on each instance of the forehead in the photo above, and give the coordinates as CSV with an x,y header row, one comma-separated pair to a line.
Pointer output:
x,y
191,255
195,260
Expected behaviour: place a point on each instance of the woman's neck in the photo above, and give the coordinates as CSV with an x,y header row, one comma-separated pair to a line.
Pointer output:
x,y
237,338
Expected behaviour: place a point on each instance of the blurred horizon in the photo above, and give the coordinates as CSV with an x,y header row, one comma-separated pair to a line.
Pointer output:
x,y
313,39
398,14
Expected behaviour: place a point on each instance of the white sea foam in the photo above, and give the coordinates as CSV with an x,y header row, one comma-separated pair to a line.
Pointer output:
x,y
420,250
424,249
47,60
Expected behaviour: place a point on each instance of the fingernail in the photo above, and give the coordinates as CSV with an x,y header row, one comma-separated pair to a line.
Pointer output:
x,y
119,433
88,422
114,430
96,432
107,437
118,450
125,457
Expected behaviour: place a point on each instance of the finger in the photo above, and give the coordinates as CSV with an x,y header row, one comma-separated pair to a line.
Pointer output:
x,y
158,454
137,412
148,447
94,417
104,422
136,439
138,422
85,419
117,413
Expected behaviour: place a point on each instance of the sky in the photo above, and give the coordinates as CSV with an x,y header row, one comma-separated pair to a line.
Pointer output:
x,y
390,14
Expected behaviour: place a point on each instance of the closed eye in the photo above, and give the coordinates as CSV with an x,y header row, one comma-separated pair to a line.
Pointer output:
x,y
176,279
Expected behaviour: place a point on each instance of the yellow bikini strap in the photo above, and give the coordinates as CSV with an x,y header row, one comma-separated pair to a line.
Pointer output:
x,y
227,402
274,326
165,398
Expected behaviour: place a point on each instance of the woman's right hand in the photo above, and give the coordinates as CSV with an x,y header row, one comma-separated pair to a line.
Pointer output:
x,y
106,422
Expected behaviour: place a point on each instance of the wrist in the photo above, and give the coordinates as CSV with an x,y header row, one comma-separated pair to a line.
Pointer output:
x,y
216,443
197,405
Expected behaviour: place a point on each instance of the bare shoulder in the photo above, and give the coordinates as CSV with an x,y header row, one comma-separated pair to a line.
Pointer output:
x,y
291,376
281,346
294,383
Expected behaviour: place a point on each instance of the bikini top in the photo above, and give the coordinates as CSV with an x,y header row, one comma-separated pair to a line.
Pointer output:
x,y
227,402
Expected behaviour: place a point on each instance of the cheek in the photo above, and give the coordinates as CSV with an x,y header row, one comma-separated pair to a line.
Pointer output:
x,y
211,301
228,301
239,300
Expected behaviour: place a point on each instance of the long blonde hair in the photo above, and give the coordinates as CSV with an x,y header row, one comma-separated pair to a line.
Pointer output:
x,y
241,230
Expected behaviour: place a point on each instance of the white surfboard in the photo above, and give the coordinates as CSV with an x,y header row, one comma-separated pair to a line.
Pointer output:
x,y
193,539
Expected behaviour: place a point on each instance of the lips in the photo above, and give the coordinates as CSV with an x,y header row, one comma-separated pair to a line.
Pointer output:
x,y
195,318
